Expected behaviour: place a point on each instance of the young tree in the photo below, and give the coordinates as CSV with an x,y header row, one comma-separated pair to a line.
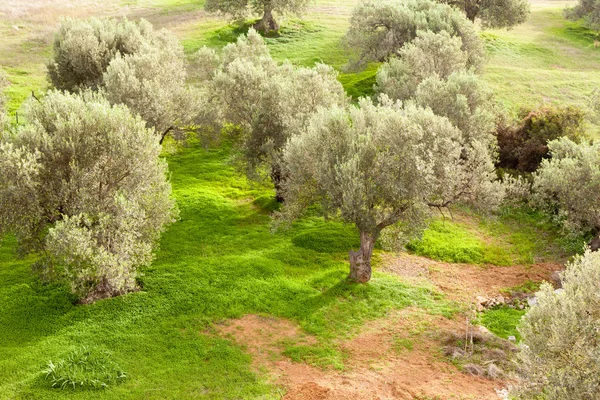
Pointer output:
x,y
379,166
494,14
378,30
270,102
559,357
568,184
82,184
588,10
239,9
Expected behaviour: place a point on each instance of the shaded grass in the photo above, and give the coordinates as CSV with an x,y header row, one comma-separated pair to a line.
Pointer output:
x,y
219,261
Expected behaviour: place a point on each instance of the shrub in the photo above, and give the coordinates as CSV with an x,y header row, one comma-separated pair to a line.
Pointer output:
x,y
559,357
83,184
85,368
524,145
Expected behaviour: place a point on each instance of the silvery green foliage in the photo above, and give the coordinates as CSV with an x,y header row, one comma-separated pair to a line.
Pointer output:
x,y
83,49
380,165
82,183
429,54
152,84
494,14
239,9
379,29
588,10
560,351
569,183
269,101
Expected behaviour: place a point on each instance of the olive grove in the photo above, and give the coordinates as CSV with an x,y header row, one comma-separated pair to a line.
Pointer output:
x,y
239,9
559,357
385,165
82,184
270,102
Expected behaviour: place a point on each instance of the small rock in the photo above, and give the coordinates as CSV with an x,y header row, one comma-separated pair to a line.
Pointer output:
x,y
480,308
558,291
512,339
500,300
483,330
532,301
481,300
494,372
474,369
15,27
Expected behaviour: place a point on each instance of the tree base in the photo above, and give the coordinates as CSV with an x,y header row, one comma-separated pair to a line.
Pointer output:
x,y
267,24
595,243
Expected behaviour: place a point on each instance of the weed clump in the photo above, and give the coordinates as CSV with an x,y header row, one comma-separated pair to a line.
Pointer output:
x,y
86,368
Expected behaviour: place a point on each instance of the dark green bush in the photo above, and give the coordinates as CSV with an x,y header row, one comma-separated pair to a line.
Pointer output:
x,y
523,145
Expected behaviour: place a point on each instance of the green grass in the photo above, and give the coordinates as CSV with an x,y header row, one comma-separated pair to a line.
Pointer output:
x,y
502,321
219,261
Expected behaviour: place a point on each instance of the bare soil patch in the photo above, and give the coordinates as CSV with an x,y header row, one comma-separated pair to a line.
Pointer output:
x,y
375,369
464,282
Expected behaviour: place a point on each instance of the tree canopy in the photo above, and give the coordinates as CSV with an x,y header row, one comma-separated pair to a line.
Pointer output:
x,y
559,356
379,166
82,183
270,102
494,14
239,9
588,10
378,30
568,184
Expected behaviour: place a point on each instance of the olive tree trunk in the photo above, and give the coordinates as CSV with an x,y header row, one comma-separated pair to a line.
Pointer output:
x,y
360,260
267,23
277,178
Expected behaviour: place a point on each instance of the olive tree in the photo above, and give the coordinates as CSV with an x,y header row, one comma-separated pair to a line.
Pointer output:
x,y
494,14
433,72
83,49
379,29
131,64
560,347
239,9
568,184
82,184
379,166
429,54
588,10
152,84
270,102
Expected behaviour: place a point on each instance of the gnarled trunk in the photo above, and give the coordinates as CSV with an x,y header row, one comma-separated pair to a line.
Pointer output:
x,y
277,178
267,23
595,243
360,261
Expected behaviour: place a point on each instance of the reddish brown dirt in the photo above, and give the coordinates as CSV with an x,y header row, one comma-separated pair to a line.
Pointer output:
x,y
465,281
374,368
